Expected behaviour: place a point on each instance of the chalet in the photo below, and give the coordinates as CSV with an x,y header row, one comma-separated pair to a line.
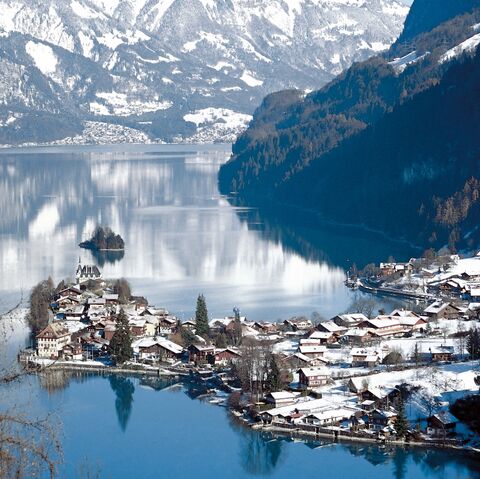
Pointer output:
x,y
312,352
223,356
440,310
72,351
358,384
442,424
190,325
403,269
265,327
87,272
198,354
282,398
109,330
167,325
51,340
380,420
157,349
323,337
367,405
441,353
96,302
297,324
70,291
111,299
349,320
331,327
66,302
75,313
137,327
381,396
364,358
383,326
313,377
356,336
329,417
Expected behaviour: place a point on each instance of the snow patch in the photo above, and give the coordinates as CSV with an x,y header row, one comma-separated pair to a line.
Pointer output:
x,y
43,57
121,104
468,45
250,80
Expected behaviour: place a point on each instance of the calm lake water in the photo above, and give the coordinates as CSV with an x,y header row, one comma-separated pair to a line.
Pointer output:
x,y
181,238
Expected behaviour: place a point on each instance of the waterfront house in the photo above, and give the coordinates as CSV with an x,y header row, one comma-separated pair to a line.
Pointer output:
x,y
198,354
72,351
281,398
157,349
109,329
380,420
329,417
442,424
402,269
51,340
313,377
223,356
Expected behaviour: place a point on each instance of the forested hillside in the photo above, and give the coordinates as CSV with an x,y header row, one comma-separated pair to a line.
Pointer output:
x,y
385,144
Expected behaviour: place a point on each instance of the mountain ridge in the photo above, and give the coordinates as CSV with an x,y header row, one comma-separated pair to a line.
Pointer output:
x,y
146,65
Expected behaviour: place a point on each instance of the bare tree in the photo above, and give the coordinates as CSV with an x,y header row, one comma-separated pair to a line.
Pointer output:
x,y
28,446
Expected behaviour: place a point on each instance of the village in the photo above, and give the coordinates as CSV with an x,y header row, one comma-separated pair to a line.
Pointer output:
x,y
393,376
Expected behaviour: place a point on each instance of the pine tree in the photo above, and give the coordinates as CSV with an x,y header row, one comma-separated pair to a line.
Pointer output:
x,y
401,423
120,347
274,377
473,343
201,317
237,327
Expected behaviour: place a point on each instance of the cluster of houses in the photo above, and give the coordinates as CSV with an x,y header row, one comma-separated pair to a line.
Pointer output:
x,y
366,411
460,278
83,323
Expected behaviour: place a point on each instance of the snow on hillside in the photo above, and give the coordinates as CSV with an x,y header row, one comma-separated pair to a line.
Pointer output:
x,y
159,60
469,45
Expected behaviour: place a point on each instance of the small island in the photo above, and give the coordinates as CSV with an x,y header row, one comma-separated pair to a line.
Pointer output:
x,y
104,239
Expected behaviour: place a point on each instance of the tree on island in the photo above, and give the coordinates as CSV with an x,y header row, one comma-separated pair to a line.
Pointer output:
x,y
401,423
120,347
201,317
104,239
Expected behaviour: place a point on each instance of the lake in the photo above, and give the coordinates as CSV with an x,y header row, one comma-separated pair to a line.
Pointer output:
x,y
182,238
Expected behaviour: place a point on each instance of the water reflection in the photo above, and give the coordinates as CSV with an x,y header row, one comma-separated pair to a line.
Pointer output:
x,y
181,236
124,390
258,456
103,257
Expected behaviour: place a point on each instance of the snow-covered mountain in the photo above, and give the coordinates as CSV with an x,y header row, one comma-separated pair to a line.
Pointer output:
x,y
171,69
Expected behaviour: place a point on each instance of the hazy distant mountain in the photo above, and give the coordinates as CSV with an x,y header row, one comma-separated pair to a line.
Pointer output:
x,y
171,69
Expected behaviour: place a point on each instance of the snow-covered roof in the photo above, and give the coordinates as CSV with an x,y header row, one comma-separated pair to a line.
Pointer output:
x,y
283,395
318,371
332,327
383,322
312,349
320,335
436,307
